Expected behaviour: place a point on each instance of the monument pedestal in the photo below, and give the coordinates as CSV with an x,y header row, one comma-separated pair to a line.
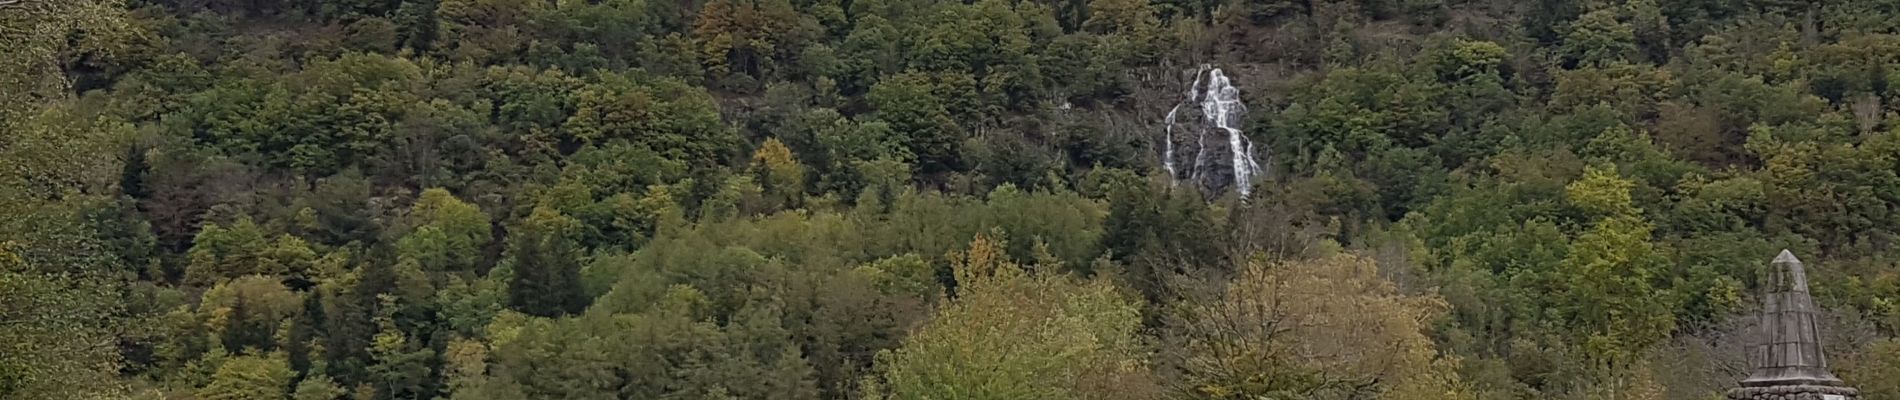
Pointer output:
x,y
1794,392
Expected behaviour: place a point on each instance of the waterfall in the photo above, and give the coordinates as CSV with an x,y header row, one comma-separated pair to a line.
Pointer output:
x,y
1167,155
1222,113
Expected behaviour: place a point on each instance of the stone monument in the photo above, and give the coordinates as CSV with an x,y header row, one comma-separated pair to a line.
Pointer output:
x,y
1787,362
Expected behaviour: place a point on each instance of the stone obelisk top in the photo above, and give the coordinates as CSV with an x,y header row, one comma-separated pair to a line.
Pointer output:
x,y
1790,351
1787,362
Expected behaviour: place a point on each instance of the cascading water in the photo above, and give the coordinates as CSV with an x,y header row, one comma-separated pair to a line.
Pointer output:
x,y
1221,114
1167,155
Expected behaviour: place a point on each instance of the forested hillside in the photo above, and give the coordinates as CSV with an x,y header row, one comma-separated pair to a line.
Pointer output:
x,y
919,199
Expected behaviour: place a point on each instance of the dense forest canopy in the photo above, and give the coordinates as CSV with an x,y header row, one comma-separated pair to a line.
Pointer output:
x,y
919,199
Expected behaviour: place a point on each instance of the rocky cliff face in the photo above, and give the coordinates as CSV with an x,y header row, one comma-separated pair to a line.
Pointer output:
x,y
1202,140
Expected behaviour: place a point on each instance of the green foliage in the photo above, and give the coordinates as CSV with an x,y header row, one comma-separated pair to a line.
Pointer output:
x,y
781,174
1875,367
1011,335
40,35
56,341
331,115
906,103
1121,16
245,313
1601,192
219,254
249,377
1471,58
755,198
1609,292
1161,234
744,41
1282,331
62,251
1599,39
448,234
50,153
545,255
680,122
56,191
667,350
317,387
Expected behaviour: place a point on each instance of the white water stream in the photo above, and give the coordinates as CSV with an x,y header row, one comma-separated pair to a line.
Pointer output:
x,y
1221,114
